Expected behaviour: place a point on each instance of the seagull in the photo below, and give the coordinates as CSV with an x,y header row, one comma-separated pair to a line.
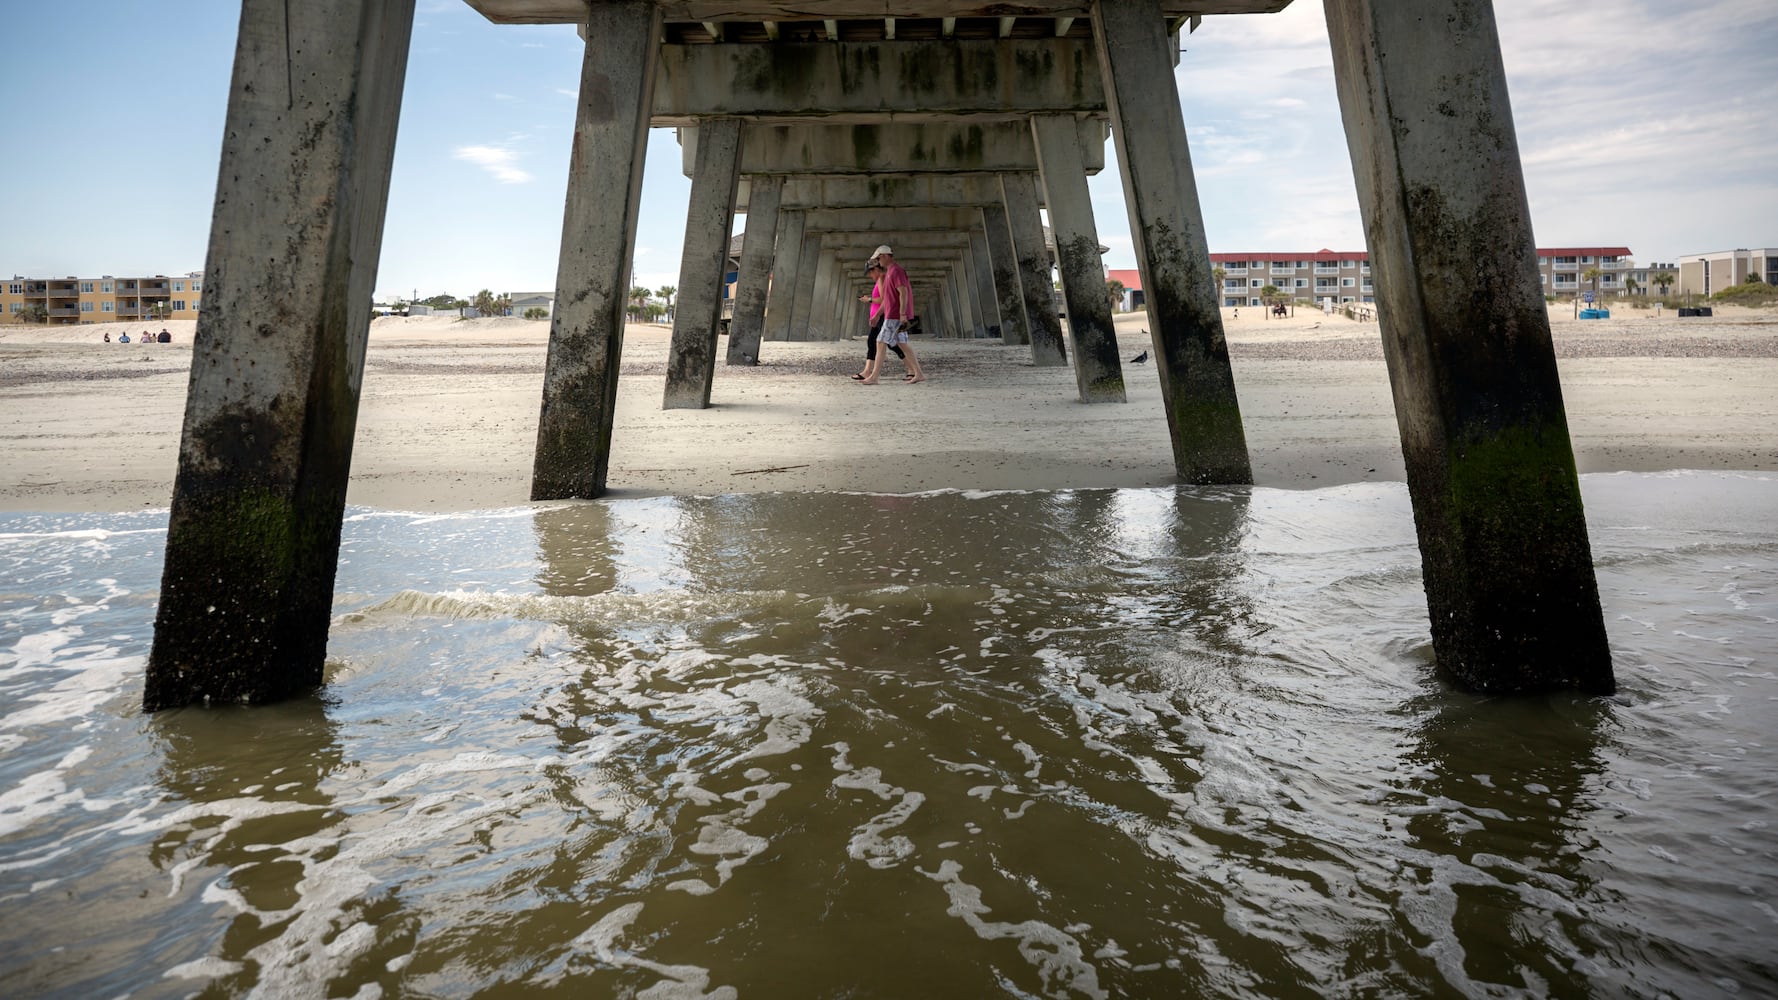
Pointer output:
x,y
1140,358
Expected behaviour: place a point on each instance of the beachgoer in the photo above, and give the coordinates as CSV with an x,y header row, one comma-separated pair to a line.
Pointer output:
x,y
871,365
124,337
107,336
898,309
165,337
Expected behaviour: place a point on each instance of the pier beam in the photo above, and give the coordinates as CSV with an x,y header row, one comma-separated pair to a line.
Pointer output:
x,y
1098,372
278,357
586,333
1191,355
1508,571
1026,227
691,359
747,325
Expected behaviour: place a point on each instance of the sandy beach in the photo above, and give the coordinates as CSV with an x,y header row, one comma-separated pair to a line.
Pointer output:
x,y
449,412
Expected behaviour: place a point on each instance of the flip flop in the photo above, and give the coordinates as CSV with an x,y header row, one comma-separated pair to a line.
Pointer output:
x,y
858,378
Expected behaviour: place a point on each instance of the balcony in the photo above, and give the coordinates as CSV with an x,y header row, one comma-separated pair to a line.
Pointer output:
x,y
1327,269
57,312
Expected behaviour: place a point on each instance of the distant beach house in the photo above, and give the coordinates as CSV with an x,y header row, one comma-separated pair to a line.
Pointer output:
x,y
522,301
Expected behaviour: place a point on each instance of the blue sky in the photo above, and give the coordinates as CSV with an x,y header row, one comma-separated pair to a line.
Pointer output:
x,y
1641,124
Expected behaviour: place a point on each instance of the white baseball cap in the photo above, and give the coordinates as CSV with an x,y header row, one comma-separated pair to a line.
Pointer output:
x,y
884,249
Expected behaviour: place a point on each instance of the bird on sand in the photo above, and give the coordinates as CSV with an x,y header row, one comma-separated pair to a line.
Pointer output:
x,y
1140,358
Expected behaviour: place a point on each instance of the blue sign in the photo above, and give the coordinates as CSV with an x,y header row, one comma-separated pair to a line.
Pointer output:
x,y
1586,296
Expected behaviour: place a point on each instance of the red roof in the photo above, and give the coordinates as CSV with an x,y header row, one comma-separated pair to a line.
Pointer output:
x,y
1321,256
1131,278
1583,251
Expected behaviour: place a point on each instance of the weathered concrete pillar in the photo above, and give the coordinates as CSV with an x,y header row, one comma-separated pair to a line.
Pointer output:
x,y
984,282
1191,357
786,264
747,325
586,333
1013,327
709,216
1508,571
808,266
814,326
1097,370
1026,227
278,359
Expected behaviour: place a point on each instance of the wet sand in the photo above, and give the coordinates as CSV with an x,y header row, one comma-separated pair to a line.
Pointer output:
x,y
449,413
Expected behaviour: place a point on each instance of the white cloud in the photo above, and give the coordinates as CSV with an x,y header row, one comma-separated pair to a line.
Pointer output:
x,y
496,161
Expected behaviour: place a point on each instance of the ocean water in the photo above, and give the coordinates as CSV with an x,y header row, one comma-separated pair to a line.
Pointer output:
x,y
1096,743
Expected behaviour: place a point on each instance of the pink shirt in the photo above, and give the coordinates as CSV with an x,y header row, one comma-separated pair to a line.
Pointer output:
x,y
896,279
876,301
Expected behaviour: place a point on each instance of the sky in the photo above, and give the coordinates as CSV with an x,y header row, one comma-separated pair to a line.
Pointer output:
x,y
1644,124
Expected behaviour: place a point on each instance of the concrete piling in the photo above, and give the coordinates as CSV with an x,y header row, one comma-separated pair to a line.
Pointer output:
x,y
1098,372
747,326
1185,325
278,357
691,359
1507,566
586,333
1026,228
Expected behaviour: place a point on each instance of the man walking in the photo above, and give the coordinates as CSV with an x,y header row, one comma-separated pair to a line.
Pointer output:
x,y
898,308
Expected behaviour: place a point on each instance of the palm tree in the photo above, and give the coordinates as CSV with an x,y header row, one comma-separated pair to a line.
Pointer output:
x,y
1630,286
1115,290
1592,274
1219,274
485,303
666,292
1664,280
1269,295
639,302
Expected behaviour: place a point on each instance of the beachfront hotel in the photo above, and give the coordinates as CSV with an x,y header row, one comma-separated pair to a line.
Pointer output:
x,y
105,299
1708,273
1344,276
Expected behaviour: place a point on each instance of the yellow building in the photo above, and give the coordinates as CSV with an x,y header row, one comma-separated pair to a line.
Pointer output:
x,y
105,299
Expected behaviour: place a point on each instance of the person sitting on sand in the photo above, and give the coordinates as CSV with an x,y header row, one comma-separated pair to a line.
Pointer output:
x,y
165,337
124,337
108,336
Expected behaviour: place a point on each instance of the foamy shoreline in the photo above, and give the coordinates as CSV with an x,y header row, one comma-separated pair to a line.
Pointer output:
x,y
449,412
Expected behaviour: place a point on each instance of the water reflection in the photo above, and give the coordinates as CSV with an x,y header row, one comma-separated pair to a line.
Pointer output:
x,y
1499,811
249,811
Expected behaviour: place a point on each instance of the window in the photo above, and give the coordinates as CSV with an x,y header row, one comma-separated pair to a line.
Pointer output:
x,y
1566,263
1348,264
178,305
1325,284
86,287
197,286
178,286
18,307
1256,265
1234,283
107,307
1346,282
16,289
106,288
1255,283
1236,267
86,307
1283,265
1302,282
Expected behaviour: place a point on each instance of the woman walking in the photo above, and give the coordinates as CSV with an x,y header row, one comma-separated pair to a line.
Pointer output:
x,y
869,375
898,309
